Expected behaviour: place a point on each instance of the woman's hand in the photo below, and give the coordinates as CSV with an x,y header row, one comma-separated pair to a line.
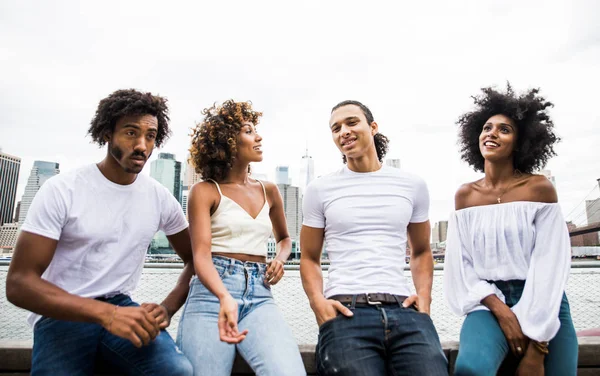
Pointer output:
x,y
274,272
228,319
511,328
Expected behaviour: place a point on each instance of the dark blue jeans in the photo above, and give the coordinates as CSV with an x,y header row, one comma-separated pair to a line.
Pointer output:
x,y
73,348
380,340
483,346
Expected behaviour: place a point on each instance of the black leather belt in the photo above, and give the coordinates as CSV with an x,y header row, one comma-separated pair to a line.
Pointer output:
x,y
377,298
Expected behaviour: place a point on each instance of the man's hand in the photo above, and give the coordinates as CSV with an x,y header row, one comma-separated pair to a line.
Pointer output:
x,y
132,323
228,321
532,363
274,272
328,309
159,312
421,303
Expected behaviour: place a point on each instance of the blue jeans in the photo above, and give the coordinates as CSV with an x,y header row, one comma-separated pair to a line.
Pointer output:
x,y
269,348
483,346
380,340
72,348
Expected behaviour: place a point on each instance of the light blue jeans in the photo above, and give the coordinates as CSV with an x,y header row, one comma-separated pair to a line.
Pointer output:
x,y
269,348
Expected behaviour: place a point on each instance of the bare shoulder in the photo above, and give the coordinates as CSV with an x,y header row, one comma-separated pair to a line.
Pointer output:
x,y
271,188
542,189
204,190
463,195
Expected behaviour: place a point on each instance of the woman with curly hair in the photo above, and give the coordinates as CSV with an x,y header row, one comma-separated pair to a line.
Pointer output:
x,y
508,249
230,305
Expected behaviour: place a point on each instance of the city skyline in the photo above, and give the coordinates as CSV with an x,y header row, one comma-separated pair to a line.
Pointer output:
x,y
10,167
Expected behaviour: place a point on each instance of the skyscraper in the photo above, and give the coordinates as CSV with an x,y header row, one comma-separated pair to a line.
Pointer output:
x,y
392,163
8,237
307,170
167,171
9,177
282,175
191,176
40,172
184,202
292,206
439,232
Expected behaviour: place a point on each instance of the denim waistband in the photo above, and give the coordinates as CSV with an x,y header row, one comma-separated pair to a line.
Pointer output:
x,y
512,290
236,265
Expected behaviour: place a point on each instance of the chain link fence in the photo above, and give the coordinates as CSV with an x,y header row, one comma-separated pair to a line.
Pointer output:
x,y
583,291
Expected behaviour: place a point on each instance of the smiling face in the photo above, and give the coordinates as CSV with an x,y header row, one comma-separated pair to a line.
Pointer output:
x,y
132,141
249,147
498,138
351,132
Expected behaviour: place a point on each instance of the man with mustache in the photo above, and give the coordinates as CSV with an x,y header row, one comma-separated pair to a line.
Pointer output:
x,y
369,322
81,251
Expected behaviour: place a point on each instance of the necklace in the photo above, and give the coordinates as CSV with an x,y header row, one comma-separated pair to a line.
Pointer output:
x,y
516,174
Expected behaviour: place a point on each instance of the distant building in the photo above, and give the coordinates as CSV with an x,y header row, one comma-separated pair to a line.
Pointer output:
x,y
191,176
8,237
184,202
393,163
17,211
307,171
292,206
9,178
584,240
167,171
282,175
40,172
439,232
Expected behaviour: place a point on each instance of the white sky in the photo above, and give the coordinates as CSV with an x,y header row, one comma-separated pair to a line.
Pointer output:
x,y
415,64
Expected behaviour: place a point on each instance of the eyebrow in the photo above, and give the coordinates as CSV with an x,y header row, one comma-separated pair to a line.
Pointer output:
x,y
508,125
137,127
349,118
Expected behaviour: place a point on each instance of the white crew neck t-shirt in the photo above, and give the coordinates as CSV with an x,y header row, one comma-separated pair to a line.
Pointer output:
x,y
365,218
103,229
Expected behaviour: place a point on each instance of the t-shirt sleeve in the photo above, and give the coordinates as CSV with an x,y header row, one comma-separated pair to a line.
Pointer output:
x,y
312,207
47,214
172,219
420,202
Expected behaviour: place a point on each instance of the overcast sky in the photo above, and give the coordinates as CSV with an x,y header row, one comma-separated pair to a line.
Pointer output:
x,y
415,64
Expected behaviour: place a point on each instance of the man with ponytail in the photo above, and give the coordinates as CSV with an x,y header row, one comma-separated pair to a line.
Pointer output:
x,y
369,321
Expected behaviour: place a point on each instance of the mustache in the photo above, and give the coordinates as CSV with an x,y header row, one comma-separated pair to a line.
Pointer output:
x,y
138,154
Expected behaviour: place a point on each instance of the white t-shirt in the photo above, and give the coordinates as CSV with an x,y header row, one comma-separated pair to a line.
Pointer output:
x,y
365,217
103,229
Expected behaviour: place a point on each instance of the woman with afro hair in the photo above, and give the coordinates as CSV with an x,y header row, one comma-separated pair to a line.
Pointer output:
x,y
508,249
230,305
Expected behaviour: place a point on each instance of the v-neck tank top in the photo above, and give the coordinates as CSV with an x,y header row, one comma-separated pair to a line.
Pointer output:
x,y
236,231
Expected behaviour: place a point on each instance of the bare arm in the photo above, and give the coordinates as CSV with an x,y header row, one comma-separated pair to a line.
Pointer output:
x,y
311,240
421,264
275,270
26,289
170,305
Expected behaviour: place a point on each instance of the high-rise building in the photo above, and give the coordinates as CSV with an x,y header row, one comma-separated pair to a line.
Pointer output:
x,y
167,171
292,206
439,232
17,210
307,170
184,202
392,163
191,176
40,172
8,237
282,175
592,209
9,177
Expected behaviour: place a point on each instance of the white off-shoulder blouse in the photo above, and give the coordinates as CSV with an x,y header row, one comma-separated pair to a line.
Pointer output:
x,y
516,240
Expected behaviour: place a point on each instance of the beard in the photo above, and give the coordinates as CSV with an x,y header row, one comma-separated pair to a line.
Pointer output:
x,y
118,154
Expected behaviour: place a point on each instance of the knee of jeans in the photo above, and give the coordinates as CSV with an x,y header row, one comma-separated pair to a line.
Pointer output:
x,y
181,367
467,366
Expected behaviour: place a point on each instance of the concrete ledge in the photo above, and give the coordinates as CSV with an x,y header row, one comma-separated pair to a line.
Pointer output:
x,y
15,358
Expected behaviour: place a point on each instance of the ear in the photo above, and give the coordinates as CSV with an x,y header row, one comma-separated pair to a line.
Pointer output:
x,y
374,128
106,137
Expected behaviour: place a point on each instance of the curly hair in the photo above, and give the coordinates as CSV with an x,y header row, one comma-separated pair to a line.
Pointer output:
x,y
381,142
129,102
214,140
535,136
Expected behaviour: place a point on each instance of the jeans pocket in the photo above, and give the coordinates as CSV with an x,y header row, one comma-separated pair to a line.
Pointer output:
x,y
330,321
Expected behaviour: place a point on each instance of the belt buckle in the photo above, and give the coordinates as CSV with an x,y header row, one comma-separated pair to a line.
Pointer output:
x,y
370,302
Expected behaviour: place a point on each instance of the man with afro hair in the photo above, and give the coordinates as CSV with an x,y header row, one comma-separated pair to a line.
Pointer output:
x,y
81,251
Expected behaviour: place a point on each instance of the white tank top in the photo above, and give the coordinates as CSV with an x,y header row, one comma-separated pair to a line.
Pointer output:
x,y
235,231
